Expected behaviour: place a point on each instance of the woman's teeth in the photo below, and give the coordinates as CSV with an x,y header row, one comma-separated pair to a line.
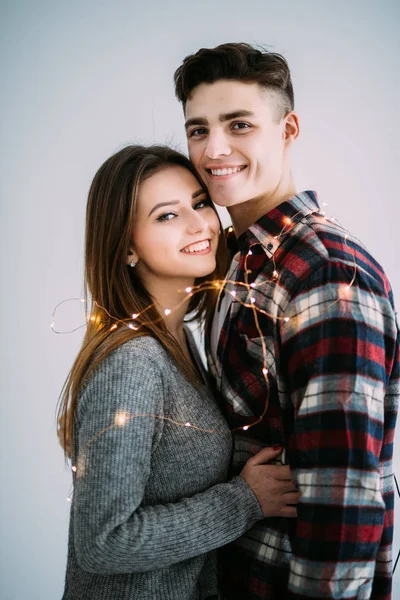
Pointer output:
x,y
197,247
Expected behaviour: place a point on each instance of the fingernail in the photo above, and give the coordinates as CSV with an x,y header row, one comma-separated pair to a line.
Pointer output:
x,y
276,447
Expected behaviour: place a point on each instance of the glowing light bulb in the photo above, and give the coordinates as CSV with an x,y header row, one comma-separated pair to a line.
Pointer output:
x,y
245,428
93,318
68,499
188,290
230,229
134,316
120,418
82,299
187,425
167,312
265,371
74,469
233,293
253,285
250,253
275,274
113,327
288,221
252,300
286,319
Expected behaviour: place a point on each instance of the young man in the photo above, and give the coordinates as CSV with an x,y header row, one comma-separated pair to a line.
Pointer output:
x,y
304,349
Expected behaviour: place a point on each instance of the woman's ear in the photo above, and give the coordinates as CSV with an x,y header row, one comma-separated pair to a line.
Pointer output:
x,y
132,258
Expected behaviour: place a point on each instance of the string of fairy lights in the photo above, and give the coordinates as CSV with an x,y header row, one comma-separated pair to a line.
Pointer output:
x,y
133,322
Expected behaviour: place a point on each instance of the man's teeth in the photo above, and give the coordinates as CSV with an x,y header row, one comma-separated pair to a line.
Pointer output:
x,y
226,171
197,247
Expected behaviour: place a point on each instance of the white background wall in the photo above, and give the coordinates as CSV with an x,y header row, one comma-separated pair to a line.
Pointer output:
x,y
79,80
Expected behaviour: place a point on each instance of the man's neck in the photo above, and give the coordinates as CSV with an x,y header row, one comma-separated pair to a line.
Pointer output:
x,y
247,213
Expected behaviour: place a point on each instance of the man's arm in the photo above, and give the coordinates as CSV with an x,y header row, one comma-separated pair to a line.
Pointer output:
x,y
339,356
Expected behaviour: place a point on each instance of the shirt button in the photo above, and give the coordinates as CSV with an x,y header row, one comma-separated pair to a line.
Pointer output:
x,y
270,246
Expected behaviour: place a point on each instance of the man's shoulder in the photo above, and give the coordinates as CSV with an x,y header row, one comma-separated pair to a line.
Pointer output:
x,y
318,241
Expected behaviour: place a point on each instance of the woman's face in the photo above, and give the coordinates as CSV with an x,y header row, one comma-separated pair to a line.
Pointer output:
x,y
175,234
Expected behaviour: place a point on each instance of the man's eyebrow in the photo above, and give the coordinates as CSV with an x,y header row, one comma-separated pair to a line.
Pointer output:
x,y
196,121
223,117
235,114
196,194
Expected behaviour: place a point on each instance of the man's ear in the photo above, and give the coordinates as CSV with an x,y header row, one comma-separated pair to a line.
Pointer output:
x,y
292,127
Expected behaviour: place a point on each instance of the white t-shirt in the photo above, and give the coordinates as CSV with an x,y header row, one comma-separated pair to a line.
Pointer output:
x,y
222,308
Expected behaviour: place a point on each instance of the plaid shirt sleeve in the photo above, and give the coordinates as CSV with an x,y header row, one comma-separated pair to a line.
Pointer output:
x,y
340,351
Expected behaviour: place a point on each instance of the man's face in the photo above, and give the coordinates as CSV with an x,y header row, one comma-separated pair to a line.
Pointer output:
x,y
237,140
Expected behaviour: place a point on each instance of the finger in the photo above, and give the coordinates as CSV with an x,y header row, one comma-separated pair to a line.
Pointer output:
x,y
289,512
291,498
286,487
283,472
265,455
276,472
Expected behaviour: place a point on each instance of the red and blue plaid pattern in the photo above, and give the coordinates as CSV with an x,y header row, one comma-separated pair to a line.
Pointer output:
x,y
333,392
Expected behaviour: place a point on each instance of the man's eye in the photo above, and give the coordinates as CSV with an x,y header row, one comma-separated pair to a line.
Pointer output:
x,y
166,217
240,126
197,132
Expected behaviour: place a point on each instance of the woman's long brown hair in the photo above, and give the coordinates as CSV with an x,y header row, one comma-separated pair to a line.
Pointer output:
x,y
112,289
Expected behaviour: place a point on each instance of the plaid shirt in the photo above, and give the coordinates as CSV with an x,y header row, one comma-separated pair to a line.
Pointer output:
x,y
332,393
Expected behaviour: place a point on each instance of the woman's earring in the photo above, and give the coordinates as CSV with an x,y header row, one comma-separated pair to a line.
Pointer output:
x,y
132,264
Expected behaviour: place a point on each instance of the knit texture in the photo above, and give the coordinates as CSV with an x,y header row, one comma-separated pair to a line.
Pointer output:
x,y
150,500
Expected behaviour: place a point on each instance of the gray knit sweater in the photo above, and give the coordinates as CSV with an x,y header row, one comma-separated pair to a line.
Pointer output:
x,y
150,501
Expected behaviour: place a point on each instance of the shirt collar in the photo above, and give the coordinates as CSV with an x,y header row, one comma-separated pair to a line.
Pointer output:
x,y
268,230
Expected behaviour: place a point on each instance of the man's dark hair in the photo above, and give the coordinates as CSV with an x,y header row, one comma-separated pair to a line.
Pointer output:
x,y
238,62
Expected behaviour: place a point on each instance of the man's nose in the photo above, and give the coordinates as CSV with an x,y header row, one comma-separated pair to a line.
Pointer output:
x,y
217,145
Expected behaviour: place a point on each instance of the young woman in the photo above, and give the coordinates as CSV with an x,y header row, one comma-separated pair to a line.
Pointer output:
x,y
150,449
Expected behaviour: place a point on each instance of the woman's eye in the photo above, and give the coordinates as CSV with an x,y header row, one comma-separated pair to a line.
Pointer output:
x,y
166,217
201,204
241,126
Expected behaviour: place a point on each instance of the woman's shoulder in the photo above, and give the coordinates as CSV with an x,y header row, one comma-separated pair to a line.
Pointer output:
x,y
139,355
141,345
140,352
133,362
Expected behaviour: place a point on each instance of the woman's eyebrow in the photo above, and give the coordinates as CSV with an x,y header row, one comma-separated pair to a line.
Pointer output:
x,y
161,204
195,194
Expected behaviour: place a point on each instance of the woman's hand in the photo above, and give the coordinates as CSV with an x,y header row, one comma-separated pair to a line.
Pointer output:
x,y
271,484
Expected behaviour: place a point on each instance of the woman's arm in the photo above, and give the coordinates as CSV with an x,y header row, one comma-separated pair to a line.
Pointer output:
x,y
113,532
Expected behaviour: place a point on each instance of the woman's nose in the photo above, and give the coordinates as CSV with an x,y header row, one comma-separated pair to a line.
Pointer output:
x,y
196,223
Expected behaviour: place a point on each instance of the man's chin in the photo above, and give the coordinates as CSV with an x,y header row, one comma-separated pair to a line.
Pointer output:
x,y
226,202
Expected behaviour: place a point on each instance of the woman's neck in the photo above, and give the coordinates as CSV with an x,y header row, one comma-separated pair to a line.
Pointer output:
x,y
171,299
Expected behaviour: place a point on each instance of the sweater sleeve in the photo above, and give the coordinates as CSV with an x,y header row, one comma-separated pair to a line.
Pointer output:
x,y
117,431
339,348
